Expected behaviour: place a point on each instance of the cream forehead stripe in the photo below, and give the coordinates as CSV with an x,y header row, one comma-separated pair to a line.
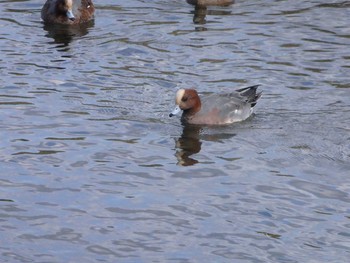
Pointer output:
x,y
69,3
179,94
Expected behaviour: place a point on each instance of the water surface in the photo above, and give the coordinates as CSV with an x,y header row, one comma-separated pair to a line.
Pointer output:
x,y
93,170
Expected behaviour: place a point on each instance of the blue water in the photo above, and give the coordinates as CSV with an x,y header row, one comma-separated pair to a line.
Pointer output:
x,y
94,170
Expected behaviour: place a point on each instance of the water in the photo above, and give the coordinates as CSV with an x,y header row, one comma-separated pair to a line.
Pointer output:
x,y
93,170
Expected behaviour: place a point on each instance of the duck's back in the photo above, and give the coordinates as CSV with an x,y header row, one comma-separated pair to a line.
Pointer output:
x,y
223,108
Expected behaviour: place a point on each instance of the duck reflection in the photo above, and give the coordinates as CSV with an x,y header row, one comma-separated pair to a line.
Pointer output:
x,y
201,9
200,12
64,34
191,139
211,2
188,144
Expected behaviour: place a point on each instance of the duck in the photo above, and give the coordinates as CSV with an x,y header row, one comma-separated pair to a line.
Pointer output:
x,y
67,12
215,109
210,2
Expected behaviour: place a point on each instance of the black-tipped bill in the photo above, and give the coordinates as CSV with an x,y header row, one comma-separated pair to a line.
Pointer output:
x,y
175,111
70,15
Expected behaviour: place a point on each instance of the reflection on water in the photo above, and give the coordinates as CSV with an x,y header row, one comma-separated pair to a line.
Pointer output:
x,y
89,170
200,13
193,136
64,34
210,2
188,144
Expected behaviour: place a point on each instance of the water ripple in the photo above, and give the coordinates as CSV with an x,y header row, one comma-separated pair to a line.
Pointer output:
x,y
92,168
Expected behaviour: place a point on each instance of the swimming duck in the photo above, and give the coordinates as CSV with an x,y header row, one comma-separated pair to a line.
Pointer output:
x,y
216,109
67,11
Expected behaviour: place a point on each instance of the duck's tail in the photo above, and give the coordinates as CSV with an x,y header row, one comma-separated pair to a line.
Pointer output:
x,y
250,95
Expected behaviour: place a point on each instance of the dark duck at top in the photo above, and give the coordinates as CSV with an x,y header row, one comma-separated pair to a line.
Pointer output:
x,y
67,12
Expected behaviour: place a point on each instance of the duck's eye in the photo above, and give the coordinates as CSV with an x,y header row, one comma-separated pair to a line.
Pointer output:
x,y
184,99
